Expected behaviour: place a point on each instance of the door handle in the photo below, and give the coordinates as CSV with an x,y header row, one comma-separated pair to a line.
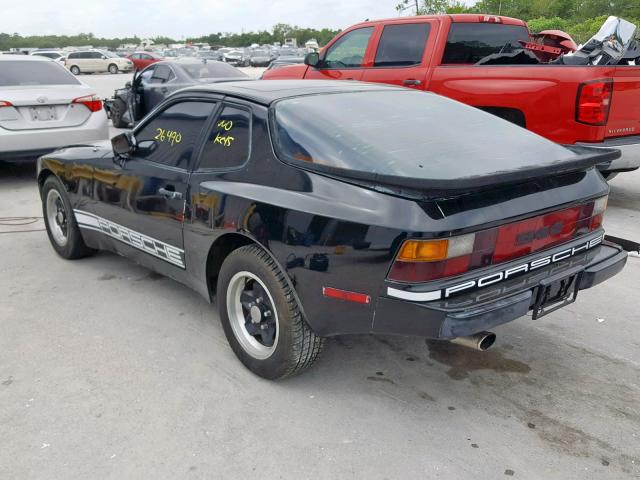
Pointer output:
x,y
164,89
411,82
171,194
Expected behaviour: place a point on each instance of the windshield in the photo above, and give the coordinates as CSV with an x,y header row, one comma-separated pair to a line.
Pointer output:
x,y
23,73
260,53
198,71
404,133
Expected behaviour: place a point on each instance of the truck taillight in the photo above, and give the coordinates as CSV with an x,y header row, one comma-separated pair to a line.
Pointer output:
x,y
425,260
92,102
594,102
4,103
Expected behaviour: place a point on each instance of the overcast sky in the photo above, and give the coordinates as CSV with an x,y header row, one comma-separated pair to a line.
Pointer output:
x,y
182,18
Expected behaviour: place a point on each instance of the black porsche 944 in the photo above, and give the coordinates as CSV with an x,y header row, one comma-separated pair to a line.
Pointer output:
x,y
309,209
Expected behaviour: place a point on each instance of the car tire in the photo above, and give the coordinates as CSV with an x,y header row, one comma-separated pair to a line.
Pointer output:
x,y
261,317
118,107
61,225
75,70
113,69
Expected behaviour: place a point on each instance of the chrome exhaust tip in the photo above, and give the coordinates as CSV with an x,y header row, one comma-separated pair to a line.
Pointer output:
x,y
481,341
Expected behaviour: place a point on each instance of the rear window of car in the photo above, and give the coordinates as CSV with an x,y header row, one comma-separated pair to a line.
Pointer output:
x,y
23,73
469,43
199,71
403,133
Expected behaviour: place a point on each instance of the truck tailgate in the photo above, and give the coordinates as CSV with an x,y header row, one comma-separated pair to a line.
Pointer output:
x,y
624,116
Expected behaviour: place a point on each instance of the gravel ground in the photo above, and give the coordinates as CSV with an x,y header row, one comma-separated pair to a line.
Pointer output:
x,y
109,371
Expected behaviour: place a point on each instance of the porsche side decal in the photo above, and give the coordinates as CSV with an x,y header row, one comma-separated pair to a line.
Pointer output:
x,y
161,250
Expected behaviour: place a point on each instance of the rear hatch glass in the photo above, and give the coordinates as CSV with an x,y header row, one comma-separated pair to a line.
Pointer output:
x,y
410,138
25,73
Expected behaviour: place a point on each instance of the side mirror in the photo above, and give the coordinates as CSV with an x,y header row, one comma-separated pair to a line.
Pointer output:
x,y
312,59
127,85
123,144
103,57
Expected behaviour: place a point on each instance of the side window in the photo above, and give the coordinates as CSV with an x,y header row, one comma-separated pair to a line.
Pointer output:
x,y
402,45
349,50
144,56
171,136
229,140
145,76
135,56
95,55
162,74
72,55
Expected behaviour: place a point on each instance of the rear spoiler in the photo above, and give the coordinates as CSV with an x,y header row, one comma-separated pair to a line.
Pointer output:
x,y
584,159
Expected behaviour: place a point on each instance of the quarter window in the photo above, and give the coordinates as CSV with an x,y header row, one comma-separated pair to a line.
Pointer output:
x,y
402,45
349,50
171,136
228,143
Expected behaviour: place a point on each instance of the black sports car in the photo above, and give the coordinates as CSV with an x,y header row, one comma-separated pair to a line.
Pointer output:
x,y
316,208
157,81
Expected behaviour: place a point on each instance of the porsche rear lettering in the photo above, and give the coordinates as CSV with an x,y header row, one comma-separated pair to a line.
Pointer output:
x,y
497,277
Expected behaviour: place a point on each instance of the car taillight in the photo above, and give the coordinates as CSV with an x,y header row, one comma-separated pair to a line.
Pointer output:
x,y
425,260
92,102
4,103
594,102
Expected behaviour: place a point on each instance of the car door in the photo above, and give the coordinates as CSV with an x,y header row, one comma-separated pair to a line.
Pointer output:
x,y
141,199
345,57
401,54
161,84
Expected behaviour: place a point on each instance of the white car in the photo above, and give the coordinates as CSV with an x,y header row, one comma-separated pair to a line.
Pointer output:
x,y
43,107
52,54
96,61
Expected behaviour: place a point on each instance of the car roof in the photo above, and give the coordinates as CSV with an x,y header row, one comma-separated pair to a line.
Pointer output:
x,y
25,58
268,91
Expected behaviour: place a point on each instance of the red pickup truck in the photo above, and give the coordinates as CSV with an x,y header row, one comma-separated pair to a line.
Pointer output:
x,y
591,105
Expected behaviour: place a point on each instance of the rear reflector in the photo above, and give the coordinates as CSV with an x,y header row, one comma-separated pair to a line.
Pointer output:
x,y
4,103
425,260
92,102
346,295
594,102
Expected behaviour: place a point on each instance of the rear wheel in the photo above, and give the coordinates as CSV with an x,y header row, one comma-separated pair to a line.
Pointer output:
x,y
261,316
118,107
62,229
113,69
75,70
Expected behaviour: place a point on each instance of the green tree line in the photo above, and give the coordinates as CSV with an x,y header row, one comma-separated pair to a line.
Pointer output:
x,y
277,34
580,18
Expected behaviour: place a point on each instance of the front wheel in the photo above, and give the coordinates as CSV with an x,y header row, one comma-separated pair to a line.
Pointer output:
x,y
62,229
113,69
261,316
75,70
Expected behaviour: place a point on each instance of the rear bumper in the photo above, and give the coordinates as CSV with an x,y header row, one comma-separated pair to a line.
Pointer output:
x,y
488,308
630,148
20,144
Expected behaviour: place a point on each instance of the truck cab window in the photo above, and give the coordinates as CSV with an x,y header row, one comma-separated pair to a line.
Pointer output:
x,y
349,50
402,45
468,43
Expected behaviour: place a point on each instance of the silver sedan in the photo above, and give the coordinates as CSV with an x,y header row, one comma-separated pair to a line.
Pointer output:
x,y
44,107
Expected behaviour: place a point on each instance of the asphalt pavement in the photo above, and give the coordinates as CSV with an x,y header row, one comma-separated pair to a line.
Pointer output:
x,y
108,370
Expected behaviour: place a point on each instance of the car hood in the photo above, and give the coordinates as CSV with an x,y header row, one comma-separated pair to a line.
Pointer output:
x,y
97,149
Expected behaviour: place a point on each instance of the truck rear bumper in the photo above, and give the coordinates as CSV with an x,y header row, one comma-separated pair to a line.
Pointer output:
x,y
630,158
395,316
